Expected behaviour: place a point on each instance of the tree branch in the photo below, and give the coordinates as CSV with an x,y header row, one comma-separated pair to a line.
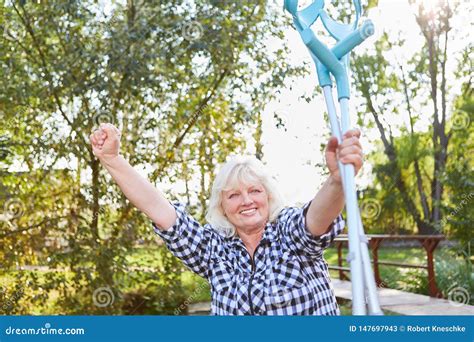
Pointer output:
x,y
26,22
419,181
191,122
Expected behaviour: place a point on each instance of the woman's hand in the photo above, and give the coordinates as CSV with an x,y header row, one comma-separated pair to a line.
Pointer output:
x,y
348,152
139,191
105,142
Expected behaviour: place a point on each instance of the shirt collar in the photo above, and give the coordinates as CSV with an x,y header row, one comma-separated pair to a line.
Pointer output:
x,y
269,235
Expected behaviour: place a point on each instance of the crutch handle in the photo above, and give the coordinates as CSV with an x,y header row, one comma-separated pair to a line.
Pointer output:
x,y
327,58
306,17
355,38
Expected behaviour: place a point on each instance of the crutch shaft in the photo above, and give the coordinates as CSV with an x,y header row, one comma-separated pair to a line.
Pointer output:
x,y
354,258
372,295
335,61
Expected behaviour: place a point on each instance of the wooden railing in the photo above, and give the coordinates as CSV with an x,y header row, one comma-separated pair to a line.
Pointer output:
x,y
429,242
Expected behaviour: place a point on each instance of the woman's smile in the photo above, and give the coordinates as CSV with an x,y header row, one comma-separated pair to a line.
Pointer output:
x,y
246,206
249,212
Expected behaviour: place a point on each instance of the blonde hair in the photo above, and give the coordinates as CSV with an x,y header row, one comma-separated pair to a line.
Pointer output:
x,y
241,170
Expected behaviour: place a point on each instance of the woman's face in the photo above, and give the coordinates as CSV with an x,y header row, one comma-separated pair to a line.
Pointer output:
x,y
246,206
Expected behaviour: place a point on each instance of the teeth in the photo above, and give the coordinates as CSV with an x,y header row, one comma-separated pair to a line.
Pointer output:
x,y
248,211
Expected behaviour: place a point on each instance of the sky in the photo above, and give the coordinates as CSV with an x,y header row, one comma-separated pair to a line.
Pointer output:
x,y
292,154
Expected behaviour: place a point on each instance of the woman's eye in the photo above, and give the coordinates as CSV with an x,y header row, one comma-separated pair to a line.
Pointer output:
x,y
232,195
256,191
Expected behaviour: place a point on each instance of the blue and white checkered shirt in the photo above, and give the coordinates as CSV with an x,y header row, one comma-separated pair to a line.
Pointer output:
x,y
287,276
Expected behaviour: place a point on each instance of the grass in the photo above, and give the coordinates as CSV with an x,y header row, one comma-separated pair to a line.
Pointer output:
x,y
410,255
389,274
406,279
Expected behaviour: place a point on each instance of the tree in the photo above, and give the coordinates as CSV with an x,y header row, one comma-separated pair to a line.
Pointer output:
x,y
183,80
416,161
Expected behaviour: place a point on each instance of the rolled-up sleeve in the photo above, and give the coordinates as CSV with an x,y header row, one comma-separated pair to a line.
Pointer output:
x,y
292,223
188,240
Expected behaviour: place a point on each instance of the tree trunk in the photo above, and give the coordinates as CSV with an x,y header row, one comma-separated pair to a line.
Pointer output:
x,y
258,138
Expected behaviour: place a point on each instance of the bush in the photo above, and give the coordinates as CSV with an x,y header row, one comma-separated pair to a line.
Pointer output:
x,y
455,278
152,287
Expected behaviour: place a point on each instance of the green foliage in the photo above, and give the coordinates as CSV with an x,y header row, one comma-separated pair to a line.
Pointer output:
x,y
143,287
458,208
159,293
183,81
455,277
422,165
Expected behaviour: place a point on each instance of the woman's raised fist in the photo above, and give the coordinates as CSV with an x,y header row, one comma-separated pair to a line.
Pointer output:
x,y
105,141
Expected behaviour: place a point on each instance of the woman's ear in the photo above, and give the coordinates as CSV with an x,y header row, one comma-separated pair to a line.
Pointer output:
x,y
222,210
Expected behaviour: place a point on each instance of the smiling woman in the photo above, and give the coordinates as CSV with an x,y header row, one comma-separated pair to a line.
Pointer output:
x,y
260,257
242,179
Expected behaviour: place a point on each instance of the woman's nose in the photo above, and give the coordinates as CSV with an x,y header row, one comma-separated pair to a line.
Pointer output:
x,y
247,199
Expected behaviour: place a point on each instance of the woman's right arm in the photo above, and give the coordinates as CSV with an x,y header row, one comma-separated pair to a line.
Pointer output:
x,y
139,191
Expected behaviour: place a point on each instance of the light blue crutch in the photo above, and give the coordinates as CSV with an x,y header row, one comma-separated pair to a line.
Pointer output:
x,y
335,62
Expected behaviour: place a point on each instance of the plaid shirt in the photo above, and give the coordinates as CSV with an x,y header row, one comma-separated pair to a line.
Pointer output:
x,y
287,276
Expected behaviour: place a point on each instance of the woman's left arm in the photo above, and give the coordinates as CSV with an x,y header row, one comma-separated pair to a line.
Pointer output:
x,y
329,201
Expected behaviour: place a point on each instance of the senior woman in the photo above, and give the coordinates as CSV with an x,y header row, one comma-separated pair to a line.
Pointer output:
x,y
260,257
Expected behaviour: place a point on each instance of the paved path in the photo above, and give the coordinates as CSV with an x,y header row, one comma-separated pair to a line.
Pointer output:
x,y
407,303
